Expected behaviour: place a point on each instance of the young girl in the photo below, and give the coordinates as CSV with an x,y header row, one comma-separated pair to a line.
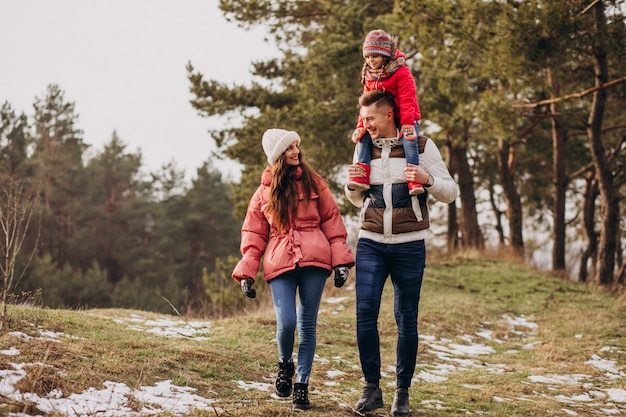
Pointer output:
x,y
385,69
294,223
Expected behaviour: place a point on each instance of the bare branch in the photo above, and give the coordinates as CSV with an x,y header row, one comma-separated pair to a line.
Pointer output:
x,y
17,207
571,96
586,9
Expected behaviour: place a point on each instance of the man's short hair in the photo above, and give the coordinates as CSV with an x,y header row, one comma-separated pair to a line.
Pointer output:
x,y
378,97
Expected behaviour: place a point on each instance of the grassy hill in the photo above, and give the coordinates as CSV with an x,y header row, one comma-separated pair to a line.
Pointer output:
x,y
496,339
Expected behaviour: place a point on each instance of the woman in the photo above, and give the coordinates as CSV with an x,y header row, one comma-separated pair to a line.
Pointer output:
x,y
294,223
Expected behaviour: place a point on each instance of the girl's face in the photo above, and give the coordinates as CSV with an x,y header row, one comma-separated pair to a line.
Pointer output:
x,y
374,61
292,154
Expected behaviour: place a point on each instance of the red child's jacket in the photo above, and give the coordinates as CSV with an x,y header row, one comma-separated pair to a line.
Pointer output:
x,y
402,85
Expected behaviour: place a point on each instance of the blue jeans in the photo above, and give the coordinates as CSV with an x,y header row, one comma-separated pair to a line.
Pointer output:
x,y
310,283
411,153
405,262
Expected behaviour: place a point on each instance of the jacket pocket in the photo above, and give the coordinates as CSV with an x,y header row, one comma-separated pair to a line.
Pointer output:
x,y
366,204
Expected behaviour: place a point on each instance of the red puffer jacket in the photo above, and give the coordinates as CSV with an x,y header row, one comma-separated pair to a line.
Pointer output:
x,y
316,237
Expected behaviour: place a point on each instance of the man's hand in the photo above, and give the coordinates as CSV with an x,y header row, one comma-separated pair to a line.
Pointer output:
x,y
246,287
341,275
409,132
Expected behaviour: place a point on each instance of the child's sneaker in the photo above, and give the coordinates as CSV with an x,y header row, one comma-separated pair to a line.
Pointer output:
x,y
415,188
361,183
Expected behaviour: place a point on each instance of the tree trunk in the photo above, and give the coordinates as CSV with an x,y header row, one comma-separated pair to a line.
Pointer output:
x,y
453,228
589,215
506,166
497,214
453,224
560,179
619,259
605,263
472,236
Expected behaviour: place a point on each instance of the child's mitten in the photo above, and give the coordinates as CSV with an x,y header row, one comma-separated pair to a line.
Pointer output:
x,y
409,132
357,134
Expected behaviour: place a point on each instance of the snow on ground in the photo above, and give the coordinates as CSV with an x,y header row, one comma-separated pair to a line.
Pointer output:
x,y
444,358
167,326
113,399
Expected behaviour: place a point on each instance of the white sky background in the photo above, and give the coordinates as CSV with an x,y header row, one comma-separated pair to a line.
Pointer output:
x,y
123,65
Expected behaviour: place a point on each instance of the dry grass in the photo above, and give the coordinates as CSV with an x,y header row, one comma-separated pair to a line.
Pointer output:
x,y
461,297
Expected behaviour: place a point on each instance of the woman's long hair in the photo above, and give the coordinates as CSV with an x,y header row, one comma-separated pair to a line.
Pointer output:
x,y
284,191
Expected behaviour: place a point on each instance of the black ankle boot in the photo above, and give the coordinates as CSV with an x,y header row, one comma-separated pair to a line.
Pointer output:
x,y
283,380
301,396
371,399
400,406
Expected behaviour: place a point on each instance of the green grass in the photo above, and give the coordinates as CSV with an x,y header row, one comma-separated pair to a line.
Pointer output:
x,y
460,297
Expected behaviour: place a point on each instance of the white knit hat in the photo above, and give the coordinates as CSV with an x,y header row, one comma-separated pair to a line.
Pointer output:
x,y
276,142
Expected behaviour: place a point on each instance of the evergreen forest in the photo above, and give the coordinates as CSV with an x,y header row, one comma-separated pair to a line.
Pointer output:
x,y
526,100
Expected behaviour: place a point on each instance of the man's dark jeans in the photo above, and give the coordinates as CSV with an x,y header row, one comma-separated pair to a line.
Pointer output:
x,y
405,263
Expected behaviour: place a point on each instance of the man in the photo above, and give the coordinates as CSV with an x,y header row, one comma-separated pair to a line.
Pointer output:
x,y
391,243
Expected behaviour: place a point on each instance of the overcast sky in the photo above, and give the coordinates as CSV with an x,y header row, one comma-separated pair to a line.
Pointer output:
x,y
122,62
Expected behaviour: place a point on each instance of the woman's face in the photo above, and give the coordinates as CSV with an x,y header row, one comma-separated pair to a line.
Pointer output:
x,y
292,154
374,61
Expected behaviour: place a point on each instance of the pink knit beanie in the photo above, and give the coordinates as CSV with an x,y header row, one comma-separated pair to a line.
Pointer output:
x,y
378,42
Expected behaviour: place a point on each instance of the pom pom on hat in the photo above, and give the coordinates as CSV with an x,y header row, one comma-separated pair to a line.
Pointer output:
x,y
276,141
378,42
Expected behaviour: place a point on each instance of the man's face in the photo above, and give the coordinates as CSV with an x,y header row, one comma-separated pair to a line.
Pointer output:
x,y
378,121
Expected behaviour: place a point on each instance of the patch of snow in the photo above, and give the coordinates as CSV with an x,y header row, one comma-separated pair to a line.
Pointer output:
x,y
332,373
112,400
578,398
464,350
488,334
603,364
336,300
12,351
260,386
49,336
168,327
617,395
521,321
572,379
433,404
610,412
429,377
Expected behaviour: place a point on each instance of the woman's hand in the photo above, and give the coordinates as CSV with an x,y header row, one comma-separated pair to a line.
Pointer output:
x,y
246,287
341,275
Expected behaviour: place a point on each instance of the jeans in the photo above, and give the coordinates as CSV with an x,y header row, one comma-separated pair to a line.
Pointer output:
x,y
310,283
405,262
364,148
